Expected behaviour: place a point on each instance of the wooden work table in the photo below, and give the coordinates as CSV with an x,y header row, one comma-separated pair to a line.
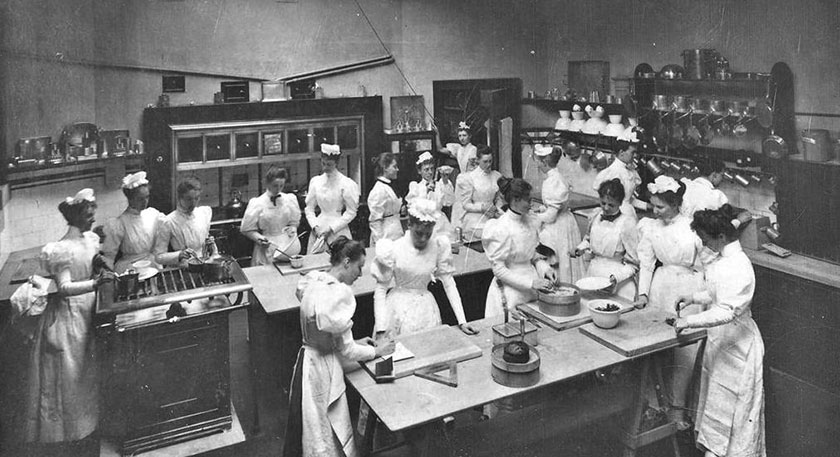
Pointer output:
x,y
276,292
416,406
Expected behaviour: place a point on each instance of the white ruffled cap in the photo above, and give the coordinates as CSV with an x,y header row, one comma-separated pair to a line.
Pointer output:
x,y
330,149
425,157
423,209
135,180
445,169
83,195
663,183
463,126
542,150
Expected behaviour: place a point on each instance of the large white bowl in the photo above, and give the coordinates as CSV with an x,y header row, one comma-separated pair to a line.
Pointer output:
x,y
593,283
604,319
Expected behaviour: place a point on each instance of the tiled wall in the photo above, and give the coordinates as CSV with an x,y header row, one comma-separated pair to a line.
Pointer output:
x,y
32,217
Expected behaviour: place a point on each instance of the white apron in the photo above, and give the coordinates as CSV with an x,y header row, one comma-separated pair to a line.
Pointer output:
x,y
512,295
730,413
273,220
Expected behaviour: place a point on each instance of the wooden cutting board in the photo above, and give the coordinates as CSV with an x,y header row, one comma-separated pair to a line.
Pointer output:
x,y
564,322
310,262
437,345
641,332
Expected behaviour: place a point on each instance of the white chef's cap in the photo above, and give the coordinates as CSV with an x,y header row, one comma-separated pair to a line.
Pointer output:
x,y
425,157
84,195
423,209
134,180
330,149
542,150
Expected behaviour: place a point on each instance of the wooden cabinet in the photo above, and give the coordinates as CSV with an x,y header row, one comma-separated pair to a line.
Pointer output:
x,y
799,321
230,146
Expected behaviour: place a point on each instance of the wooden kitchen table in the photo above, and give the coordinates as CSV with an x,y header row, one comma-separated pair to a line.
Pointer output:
x,y
274,323
417,406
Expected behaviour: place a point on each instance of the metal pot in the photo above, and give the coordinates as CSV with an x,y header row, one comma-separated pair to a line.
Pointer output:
x,y
699,63
216,269
774,146
717,106
661,103
672,71
817,145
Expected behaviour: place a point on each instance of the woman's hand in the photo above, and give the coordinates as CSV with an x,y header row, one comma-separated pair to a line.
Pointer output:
x,y
682,302
263,241
680,324
186,254
104,276
641,302
468,329
290,231
542,285
322,232
384,347
613,283
551,275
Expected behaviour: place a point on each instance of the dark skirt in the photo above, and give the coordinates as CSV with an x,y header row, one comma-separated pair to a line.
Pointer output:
x,y
293,443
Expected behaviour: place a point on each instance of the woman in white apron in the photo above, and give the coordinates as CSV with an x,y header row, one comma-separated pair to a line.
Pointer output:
x,y
319,419
559,229
510,243
130,237
63,398
383,202
461,188
271,221
670,240
336,195
184,229
478,196
610,245
730,414
435,192
411,262
463,150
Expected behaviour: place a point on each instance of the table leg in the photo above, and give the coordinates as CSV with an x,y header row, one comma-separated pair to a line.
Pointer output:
x,y
632,436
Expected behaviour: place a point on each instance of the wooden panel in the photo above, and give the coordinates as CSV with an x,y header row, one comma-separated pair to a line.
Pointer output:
x,y
640,332
799,321
801,419
588,75
432,347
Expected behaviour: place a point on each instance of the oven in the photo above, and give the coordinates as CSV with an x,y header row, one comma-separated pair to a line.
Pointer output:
x,y
164,352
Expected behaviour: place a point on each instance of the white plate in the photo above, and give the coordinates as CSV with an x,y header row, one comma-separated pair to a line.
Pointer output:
x,y
146,273
593,283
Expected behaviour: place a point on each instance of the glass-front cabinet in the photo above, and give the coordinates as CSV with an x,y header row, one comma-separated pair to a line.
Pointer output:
x,y
232,157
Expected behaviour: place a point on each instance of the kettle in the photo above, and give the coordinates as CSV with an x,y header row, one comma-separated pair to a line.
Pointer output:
x,y
235,208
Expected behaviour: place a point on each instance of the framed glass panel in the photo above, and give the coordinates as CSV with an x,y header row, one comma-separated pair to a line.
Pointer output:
x,y
299,141
348,136
247,145
323,135
218,147
272,143
190,149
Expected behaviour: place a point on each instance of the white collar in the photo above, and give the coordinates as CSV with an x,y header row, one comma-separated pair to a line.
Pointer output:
x,y
731,249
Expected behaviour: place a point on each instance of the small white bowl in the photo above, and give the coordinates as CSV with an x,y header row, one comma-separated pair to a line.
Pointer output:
x,y
615,118
296,261
601,318
564,113
577,115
